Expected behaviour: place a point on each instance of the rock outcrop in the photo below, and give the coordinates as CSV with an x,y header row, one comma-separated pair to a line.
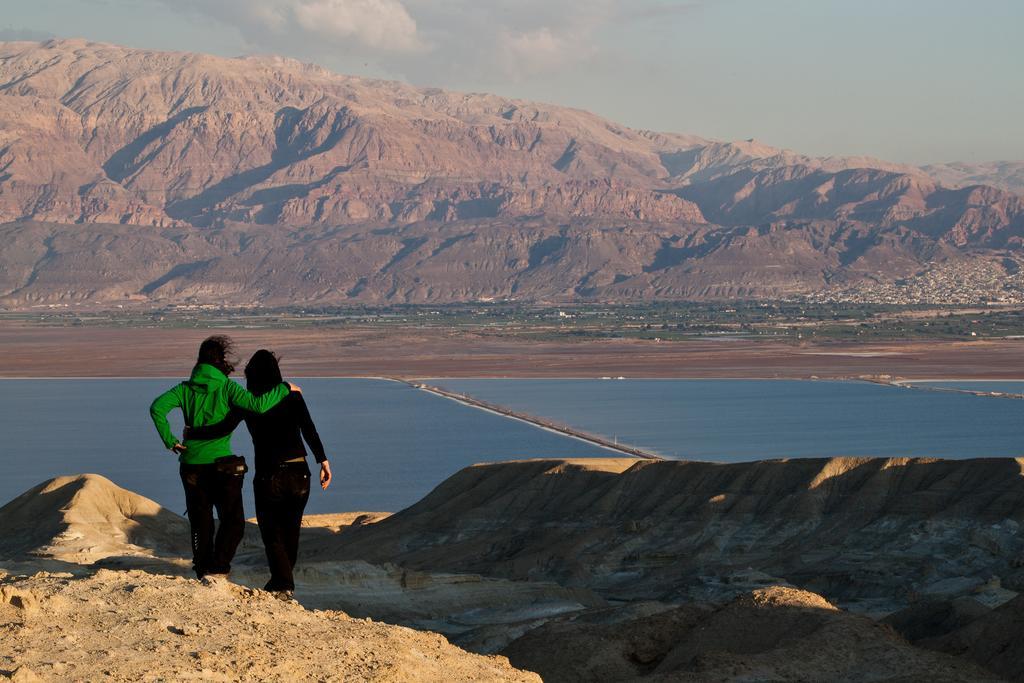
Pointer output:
x,y
770,634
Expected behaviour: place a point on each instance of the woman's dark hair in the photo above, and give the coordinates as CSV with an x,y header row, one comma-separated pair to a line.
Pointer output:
x,y
218,351
262,372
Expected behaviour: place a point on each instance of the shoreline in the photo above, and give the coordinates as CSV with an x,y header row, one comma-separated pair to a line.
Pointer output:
x,y
418,354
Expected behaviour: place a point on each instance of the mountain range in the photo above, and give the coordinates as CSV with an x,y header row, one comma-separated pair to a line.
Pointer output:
x,y
163,177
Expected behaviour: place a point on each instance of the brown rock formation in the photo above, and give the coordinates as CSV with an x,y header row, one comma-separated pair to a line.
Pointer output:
x,y
873,533
776,634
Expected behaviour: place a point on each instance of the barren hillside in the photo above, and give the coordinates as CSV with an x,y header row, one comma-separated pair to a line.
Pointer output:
x,y
867,533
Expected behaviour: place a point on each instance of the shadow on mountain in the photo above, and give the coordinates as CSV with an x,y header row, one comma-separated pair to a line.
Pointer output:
x,y
296,139
125,161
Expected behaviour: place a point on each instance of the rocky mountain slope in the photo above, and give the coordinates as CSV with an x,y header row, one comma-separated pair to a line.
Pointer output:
x,y
235,169
868,534
692,548
156,138
486,259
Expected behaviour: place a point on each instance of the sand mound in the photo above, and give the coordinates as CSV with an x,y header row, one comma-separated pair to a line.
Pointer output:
x,y
131,626
87,517
773,634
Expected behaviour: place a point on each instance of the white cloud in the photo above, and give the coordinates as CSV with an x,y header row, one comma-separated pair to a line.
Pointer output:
x,y
489,41
383,24
523,54
433,41
308,27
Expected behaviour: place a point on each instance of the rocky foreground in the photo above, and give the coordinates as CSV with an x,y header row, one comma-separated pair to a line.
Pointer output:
x,y
136,625
586,570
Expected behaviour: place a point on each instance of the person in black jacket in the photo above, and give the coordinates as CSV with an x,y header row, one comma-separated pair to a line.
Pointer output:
x,y
282,476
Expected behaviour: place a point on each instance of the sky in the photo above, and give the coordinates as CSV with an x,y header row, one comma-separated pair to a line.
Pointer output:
x,y
916,81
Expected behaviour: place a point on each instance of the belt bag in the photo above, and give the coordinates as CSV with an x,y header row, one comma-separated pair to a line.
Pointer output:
x,y
232,464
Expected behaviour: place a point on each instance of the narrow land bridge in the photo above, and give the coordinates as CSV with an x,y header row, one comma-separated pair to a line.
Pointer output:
x,y
538,421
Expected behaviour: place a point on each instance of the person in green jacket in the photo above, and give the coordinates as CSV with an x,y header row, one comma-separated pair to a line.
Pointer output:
x,y
210,473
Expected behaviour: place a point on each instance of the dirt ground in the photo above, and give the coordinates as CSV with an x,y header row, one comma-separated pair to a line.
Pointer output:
x,y
138,626
29,351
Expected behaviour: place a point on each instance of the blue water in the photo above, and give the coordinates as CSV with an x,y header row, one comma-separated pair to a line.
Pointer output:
x,y
740,420
388,444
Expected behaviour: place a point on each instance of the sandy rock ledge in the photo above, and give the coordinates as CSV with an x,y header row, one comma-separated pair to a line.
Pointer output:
x,y
135,626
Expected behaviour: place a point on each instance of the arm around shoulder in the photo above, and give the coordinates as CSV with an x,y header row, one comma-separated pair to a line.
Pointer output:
x,y
240,398
218,429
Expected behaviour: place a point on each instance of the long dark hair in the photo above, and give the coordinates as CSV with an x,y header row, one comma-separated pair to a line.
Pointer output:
x,y
262,372
219,352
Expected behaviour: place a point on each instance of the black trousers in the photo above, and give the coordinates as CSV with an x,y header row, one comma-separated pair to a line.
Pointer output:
x,y
281,495
206,489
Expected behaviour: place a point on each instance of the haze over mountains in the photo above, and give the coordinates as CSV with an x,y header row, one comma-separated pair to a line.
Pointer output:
x,y
162,177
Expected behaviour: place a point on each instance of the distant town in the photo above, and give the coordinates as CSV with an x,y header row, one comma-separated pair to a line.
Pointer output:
x,y
969,282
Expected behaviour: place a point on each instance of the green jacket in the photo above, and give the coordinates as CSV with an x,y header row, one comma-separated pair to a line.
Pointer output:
x,y
205,399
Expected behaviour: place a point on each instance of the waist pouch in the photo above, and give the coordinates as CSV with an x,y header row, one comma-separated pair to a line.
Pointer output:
x,y
231,464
